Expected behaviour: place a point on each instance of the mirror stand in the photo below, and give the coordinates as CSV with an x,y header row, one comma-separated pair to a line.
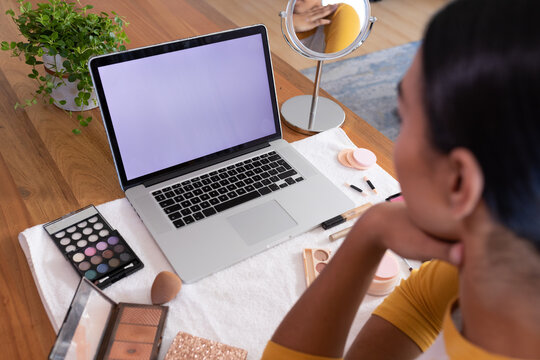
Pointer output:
x,y
323,114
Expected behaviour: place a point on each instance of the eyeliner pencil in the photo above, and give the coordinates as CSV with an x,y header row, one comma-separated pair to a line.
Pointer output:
x,y
356,188
372,187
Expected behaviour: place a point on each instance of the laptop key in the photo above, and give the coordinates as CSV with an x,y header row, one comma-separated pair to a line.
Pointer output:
x,y
179,198
195,200
186,212
265,182
195,208
214,201
205,204
265,175
231,187
274,187
249,181
240,191
213,193
223,197
188,219
197,192
204,197
237,201
171,209
188,195
289,181
287,174
160,197
165,189
215,178
224,182
188,187
197,184
274,165
283,185
179,191
264,190
274,157
206,181
215,185
157,192
178,223
257,185
233,179
241,176
257,178
232,194
209,211
185,203
249,188
169,194
166,203
274,178
265,167
299,179
232,172
222,190
175,215
198,216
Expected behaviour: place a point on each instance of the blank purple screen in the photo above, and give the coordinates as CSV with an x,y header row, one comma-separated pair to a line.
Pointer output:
x,y
171,108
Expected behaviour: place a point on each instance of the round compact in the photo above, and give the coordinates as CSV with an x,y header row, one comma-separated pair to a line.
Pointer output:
x,y
363,158
386,277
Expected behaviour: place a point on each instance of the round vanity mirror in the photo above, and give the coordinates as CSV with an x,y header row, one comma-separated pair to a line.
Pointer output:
x,y
322,30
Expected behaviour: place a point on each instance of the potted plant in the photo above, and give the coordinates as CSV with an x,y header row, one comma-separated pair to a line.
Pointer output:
x,y
60,37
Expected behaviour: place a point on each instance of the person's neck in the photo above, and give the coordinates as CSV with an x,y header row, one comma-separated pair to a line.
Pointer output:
x,y
500,290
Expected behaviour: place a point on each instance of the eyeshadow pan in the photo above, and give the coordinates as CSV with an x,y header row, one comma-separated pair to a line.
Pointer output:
x,y
96,259
136,333
82,243
102,245
60,234
90,251
85,265
104,233
87,231
130,350
82,224
102,268
70,248
76,236
119,248
93,219
78,257
113,240
107,254
90,274
114,262
98,226
65,241
71,229
320,266
320,255
93,238
125,257
141,315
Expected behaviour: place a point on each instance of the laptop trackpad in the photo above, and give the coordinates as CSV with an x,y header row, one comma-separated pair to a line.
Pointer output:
x,y
261,222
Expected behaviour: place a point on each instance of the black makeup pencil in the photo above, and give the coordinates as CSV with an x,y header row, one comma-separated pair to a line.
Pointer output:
x,y
370,184
355,188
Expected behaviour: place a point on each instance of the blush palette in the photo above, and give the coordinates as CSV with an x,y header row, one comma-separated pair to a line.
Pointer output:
x,y
94,249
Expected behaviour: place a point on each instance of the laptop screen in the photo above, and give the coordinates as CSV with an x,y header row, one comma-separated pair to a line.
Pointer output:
x,y
174,107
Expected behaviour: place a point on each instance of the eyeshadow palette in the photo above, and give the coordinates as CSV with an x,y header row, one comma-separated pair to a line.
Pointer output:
x,y
315,260
94,249
95,327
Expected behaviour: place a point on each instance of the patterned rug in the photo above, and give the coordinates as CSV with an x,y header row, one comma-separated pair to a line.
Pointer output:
x,y
367,84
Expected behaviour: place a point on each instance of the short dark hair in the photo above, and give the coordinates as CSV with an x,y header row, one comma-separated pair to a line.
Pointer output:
x,y
481,69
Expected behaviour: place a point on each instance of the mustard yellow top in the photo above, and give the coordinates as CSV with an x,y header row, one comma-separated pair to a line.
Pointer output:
x,y
341,32
421,307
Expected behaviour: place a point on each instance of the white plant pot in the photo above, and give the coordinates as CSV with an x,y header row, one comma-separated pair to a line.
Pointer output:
x,y
68,90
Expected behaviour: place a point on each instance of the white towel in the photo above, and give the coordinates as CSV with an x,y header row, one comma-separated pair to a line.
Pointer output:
x,y
239,306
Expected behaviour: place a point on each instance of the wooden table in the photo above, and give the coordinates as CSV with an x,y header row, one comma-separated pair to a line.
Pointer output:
x,y
46,171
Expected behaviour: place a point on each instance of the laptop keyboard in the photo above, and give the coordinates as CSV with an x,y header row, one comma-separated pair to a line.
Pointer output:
x,y
203,196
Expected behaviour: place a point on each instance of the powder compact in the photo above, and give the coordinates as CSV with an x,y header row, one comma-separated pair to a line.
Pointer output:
x,y
96,327
94,249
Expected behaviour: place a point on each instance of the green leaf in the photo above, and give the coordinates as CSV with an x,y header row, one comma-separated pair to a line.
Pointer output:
x,y
72,77
13,45
32,76
53,36
80,117
51,101
88,119
5,45
76,131
10,13
62,102
17,105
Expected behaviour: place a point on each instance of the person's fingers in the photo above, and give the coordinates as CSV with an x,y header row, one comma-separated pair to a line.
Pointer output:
x,y
322,11
436,249
322,22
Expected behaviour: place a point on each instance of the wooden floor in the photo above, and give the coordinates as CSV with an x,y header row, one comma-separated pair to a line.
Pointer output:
x,y
398,22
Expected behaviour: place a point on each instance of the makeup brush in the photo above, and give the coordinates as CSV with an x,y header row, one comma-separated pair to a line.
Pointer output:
x,y
165,287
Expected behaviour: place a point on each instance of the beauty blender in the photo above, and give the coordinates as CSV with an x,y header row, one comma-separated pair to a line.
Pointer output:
x,y
362,158
165,287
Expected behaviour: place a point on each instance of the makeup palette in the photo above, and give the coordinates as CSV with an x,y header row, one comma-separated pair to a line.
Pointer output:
x,y
315,261
94,249
96,327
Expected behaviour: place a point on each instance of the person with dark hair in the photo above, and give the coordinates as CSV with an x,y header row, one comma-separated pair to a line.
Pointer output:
x,y
468,160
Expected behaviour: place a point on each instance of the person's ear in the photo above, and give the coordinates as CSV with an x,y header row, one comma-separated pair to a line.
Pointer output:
x,y
467,182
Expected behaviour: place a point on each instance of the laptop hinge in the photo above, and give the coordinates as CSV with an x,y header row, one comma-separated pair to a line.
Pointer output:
x,y
192,168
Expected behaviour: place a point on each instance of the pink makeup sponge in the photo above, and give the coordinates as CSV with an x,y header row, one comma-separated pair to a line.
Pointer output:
x,y
364,158
386,277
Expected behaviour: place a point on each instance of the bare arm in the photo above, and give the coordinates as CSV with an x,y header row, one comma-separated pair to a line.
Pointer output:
x,y
319,322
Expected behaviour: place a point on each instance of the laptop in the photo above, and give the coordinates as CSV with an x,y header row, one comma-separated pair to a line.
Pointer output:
x,y
195,134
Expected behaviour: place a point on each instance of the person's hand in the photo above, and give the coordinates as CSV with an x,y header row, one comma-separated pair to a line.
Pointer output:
x,y
389,226
312,18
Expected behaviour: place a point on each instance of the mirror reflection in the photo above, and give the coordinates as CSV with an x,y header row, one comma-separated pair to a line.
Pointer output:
x,y
326,26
